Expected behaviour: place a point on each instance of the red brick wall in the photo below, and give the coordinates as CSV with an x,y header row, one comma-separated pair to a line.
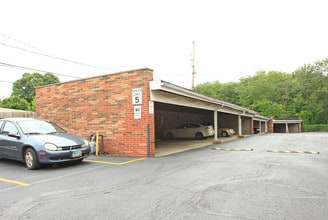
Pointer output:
x,y
102,104
300,127
270,125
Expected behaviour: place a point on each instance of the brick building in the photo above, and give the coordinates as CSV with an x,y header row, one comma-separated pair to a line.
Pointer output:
x,y
130,110
103,104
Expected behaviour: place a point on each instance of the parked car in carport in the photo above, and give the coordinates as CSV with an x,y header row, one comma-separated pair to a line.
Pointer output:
x,y
190,130
35,142
256,130
226,132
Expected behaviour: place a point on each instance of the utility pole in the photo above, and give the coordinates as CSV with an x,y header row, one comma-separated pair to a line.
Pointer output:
x,y
193,66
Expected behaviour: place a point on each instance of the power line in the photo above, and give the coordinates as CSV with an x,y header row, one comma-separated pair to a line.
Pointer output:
x,y
20,42
43,53
6,81
36,70
54,57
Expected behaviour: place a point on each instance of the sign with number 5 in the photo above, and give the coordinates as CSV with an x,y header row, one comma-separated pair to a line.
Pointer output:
x,y
137,96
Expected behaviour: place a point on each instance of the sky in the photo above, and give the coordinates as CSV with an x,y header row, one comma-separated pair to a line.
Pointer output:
x,y
76,39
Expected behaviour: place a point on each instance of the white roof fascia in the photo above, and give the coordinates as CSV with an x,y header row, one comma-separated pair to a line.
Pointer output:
x,y
290,121
168,87
171,98
261,118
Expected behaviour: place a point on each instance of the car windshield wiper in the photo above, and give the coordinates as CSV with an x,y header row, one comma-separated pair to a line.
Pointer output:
x,y
56,132
33,133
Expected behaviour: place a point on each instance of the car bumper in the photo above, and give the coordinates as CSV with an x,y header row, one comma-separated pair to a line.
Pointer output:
x,y
47,157
209,133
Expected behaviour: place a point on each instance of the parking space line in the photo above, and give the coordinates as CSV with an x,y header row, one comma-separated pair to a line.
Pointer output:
x,y
294,151
232,149
14,182
114,163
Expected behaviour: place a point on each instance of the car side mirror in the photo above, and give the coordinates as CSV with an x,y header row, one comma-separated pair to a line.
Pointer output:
x,y
14,135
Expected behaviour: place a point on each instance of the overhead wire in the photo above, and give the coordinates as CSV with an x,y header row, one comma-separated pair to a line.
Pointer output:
x,y
20,42
43,53
4,81
54,57
36,70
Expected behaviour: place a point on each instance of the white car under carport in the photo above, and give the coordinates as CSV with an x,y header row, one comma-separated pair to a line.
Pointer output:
x,y
190,130
226,132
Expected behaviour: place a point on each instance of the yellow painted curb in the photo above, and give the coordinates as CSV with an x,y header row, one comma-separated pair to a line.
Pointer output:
x,y
14,182
114,163
294,151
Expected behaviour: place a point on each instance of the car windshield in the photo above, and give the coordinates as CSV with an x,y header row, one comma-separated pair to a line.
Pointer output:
x,y
39,127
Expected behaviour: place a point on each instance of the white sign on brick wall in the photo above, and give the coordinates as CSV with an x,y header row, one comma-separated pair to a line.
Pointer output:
x,y
137,112
137,96
151,107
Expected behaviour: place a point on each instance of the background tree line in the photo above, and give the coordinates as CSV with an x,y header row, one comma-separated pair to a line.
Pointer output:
x,y
23,92
301,94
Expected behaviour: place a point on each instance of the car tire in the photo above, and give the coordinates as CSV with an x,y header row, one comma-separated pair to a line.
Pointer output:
x,y
31,159
199,136
224,134
169,136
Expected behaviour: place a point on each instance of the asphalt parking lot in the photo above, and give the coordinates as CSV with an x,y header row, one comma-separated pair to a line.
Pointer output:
x,y
272,176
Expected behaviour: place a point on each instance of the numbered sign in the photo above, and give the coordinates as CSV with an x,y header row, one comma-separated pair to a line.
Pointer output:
x,y
137,96
137,112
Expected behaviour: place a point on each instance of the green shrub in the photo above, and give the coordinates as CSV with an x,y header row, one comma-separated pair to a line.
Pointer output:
x,y
312,128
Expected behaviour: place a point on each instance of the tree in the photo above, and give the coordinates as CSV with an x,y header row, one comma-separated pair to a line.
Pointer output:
x,y
25,87
272,86
210,89
15,102
311,93
23,93
224,91
302,93
270,108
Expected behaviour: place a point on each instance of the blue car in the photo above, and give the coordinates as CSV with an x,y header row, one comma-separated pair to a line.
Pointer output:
x,y
36,142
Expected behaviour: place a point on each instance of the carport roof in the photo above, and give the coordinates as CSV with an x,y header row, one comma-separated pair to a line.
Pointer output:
x,y
166,90
289,121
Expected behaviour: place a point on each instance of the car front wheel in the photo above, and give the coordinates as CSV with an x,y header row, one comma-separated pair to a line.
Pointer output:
x,y
169,136
224,134
31,159
199,136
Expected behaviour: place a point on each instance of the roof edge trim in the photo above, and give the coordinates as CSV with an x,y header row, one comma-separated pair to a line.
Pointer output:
x,y
168,87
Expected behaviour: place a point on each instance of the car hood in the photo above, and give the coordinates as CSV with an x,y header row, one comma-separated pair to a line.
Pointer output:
x,y
60,139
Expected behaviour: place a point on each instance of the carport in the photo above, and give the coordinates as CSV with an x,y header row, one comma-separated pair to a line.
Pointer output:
x,y
130,110
260,123
174,105
287,126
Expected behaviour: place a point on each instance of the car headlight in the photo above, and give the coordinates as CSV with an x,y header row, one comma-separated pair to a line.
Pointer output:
x,y
86,143
50,146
